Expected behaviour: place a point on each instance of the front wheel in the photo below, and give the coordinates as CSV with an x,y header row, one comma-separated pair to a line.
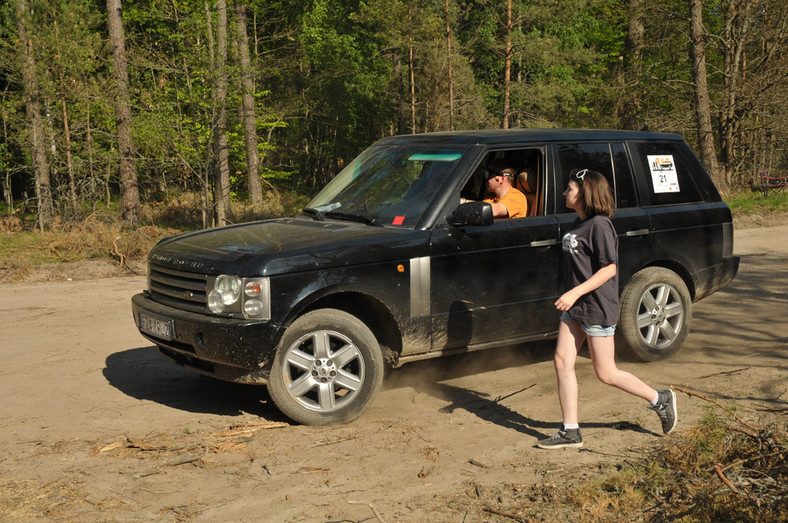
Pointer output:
x,y
656,310
328,368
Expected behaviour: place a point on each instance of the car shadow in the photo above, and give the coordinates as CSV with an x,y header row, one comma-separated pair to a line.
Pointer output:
x,y
428,377
143,373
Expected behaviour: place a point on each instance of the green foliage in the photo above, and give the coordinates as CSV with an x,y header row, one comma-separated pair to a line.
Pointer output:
x,y
332,76
752,202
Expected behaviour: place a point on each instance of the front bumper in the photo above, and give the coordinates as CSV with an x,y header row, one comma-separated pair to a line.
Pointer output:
x,y
228,349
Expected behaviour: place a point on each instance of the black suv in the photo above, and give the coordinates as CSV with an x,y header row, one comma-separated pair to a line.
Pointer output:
x,y
385,266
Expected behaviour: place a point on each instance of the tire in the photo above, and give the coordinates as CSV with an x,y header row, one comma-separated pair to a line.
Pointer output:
x,y
327,370
656,310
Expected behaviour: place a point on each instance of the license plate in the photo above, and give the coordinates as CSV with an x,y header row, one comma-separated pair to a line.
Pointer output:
x,y
164,329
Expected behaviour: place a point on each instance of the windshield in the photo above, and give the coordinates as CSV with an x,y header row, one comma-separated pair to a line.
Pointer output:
x,y
387,185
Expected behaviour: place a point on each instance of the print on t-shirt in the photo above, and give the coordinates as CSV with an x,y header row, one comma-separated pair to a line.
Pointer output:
x,y
569,242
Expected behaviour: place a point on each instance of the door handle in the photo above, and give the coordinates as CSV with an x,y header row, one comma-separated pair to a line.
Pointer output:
x,y
544,243
638,232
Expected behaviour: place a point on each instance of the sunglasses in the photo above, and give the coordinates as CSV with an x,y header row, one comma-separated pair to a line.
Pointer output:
x,y
492,174
580,175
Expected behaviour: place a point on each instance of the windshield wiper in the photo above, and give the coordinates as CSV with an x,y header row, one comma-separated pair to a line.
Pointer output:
x,y
317,215
353,217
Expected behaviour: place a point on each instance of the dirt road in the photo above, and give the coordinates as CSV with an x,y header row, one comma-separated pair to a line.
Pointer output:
x,y
96,426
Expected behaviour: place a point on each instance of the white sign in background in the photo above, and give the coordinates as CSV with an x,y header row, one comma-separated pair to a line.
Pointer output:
x,y
663,173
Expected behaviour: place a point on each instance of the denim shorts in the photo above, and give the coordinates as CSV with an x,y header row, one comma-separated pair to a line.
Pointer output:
x,y
595,331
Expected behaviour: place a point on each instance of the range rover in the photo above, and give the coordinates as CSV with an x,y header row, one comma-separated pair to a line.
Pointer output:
x,y
385,266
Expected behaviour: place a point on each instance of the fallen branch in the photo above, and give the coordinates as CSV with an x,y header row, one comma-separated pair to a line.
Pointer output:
x,y
250,428
723,373
116,252
723,407
371,508
724,479
510,515
745,460
478,464
182,460
501,398
52,248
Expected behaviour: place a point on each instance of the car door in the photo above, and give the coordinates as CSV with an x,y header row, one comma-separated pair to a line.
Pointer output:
x,y
632,224
681,222
494,284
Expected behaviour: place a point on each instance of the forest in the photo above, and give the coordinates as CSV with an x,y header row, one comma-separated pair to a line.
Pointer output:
x,y
241,109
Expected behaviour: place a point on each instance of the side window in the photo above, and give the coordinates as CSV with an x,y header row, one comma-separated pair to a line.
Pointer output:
x,y
527,162
594,156
667,174
625,185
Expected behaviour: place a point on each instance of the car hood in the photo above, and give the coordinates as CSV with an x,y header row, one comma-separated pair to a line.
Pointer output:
x,y
284,245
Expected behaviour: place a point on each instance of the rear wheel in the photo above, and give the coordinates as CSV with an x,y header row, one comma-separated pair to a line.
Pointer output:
x,y
328,368
656,310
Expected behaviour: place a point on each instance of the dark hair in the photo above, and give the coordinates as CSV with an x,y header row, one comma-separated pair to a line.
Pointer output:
x,y
498,165
595,193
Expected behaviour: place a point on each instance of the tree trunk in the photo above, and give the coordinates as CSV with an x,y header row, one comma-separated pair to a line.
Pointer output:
x,y
628,106
129,187
247,104
9,200
507,66
708,154
448,61
736,25
35,123
412,71
635,33
72,189
209,200
221,151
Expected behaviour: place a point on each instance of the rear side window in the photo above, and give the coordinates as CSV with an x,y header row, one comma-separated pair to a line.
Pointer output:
x,y
599,157
667,174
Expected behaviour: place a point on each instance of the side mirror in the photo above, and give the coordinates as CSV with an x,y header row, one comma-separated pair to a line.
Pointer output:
x,y
472,213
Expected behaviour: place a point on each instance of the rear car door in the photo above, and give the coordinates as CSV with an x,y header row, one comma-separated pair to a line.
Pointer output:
x,y
686,211
632,223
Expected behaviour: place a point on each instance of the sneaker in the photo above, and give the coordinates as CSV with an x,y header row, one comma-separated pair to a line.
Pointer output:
x,y
563,438
666,410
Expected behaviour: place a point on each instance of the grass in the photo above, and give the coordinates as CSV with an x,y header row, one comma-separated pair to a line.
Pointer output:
x,y
24,247
750,202
99,236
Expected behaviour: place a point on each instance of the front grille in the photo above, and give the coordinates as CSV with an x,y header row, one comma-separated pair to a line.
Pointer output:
x,y
178,289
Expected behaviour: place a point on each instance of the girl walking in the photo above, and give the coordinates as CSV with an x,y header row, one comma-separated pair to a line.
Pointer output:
x,y
590,308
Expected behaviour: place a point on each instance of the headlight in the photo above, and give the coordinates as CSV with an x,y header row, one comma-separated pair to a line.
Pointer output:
x,y
226,291
232,296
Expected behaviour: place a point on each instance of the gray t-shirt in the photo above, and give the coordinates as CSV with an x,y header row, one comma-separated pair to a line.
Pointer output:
x,y
589,245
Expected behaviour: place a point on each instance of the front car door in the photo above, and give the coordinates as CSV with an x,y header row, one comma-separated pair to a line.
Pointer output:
x,y
495,284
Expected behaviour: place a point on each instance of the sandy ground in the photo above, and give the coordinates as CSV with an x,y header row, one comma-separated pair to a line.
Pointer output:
x,y
95,425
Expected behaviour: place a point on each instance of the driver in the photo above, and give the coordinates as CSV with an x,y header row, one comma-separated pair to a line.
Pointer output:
x,y
506,200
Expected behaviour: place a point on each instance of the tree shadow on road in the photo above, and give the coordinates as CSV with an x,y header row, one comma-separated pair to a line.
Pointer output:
x,y
143,373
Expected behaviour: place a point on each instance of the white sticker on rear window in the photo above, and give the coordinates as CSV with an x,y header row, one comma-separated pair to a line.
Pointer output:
x,y
663,173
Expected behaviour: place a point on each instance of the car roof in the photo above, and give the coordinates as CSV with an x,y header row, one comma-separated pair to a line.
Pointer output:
x,y
508,136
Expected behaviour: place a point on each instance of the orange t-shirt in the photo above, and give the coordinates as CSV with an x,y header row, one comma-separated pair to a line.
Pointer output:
x,y
514,201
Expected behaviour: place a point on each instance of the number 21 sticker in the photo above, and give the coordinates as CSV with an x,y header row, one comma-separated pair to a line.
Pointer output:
x,y
663,173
